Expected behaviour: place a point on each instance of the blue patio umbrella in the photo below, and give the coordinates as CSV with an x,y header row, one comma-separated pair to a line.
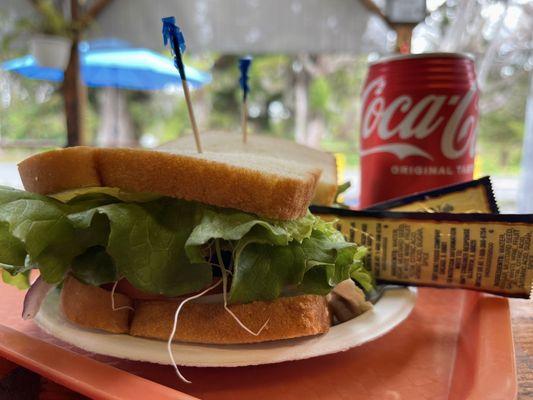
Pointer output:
x,y
118,65
114,63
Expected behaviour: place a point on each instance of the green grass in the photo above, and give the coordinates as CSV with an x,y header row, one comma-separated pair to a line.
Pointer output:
x,y
493,161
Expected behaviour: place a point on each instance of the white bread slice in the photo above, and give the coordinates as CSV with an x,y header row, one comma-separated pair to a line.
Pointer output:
x,y
288,317
261,185
262,145
90,307
199,322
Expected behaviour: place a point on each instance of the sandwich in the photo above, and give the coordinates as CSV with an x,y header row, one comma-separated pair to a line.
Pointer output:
x,y
136,238
266,145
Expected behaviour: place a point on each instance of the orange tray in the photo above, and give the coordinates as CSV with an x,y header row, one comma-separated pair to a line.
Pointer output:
x,y
455,345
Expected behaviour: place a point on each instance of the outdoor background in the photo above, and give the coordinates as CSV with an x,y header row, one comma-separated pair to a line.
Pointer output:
x,y
311,98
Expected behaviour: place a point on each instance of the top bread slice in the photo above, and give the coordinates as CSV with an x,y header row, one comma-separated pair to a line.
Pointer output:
x,y
260,185
262,145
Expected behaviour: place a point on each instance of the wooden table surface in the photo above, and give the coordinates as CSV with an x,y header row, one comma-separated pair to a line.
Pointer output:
x,y
522,322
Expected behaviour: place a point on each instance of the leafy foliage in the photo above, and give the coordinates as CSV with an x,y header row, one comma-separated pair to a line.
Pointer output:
x,y
34,110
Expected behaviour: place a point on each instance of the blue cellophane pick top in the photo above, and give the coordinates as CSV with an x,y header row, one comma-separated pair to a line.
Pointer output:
x,y
244,67
172,34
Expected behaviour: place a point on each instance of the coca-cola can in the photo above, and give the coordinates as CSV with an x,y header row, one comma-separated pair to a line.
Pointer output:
x,y
418,125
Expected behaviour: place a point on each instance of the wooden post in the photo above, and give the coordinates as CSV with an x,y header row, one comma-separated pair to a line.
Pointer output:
x,y
404,33
72,88
72,98
74,92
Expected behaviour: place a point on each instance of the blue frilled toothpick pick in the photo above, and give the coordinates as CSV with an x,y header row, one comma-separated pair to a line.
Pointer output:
x,y
244,66
173,35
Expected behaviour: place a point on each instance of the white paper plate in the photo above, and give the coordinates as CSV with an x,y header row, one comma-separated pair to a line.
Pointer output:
x,y
390,310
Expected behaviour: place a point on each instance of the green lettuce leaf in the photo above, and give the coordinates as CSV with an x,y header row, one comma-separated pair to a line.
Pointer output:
x,y
358,271
261,271
94,267
12,250
331,260
20,281
42,227
161,245
231,225
147,244
82,193
308,254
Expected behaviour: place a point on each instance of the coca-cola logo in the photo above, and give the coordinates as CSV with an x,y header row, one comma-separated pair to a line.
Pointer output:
x,y
407,120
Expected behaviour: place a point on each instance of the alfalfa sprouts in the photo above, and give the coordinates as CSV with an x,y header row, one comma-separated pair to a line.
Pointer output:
x,y
175,325
113,300
225,294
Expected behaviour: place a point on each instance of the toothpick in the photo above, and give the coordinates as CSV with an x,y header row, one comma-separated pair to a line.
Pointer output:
x,y
244,121
191,116
172,33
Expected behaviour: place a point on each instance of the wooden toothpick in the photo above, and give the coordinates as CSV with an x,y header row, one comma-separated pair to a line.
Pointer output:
x,y
244,121
173,35
191,116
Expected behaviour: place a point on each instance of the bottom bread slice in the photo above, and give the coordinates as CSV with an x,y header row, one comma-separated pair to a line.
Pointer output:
x,y
288,317
91,307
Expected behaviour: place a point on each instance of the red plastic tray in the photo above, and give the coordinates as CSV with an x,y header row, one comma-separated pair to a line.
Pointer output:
x,y
455,345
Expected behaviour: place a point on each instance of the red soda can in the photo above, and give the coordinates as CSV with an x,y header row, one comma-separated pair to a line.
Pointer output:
x,y
418,125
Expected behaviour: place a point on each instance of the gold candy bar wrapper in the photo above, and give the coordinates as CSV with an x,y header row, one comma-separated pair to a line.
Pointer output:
x,y
487,252
468,197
